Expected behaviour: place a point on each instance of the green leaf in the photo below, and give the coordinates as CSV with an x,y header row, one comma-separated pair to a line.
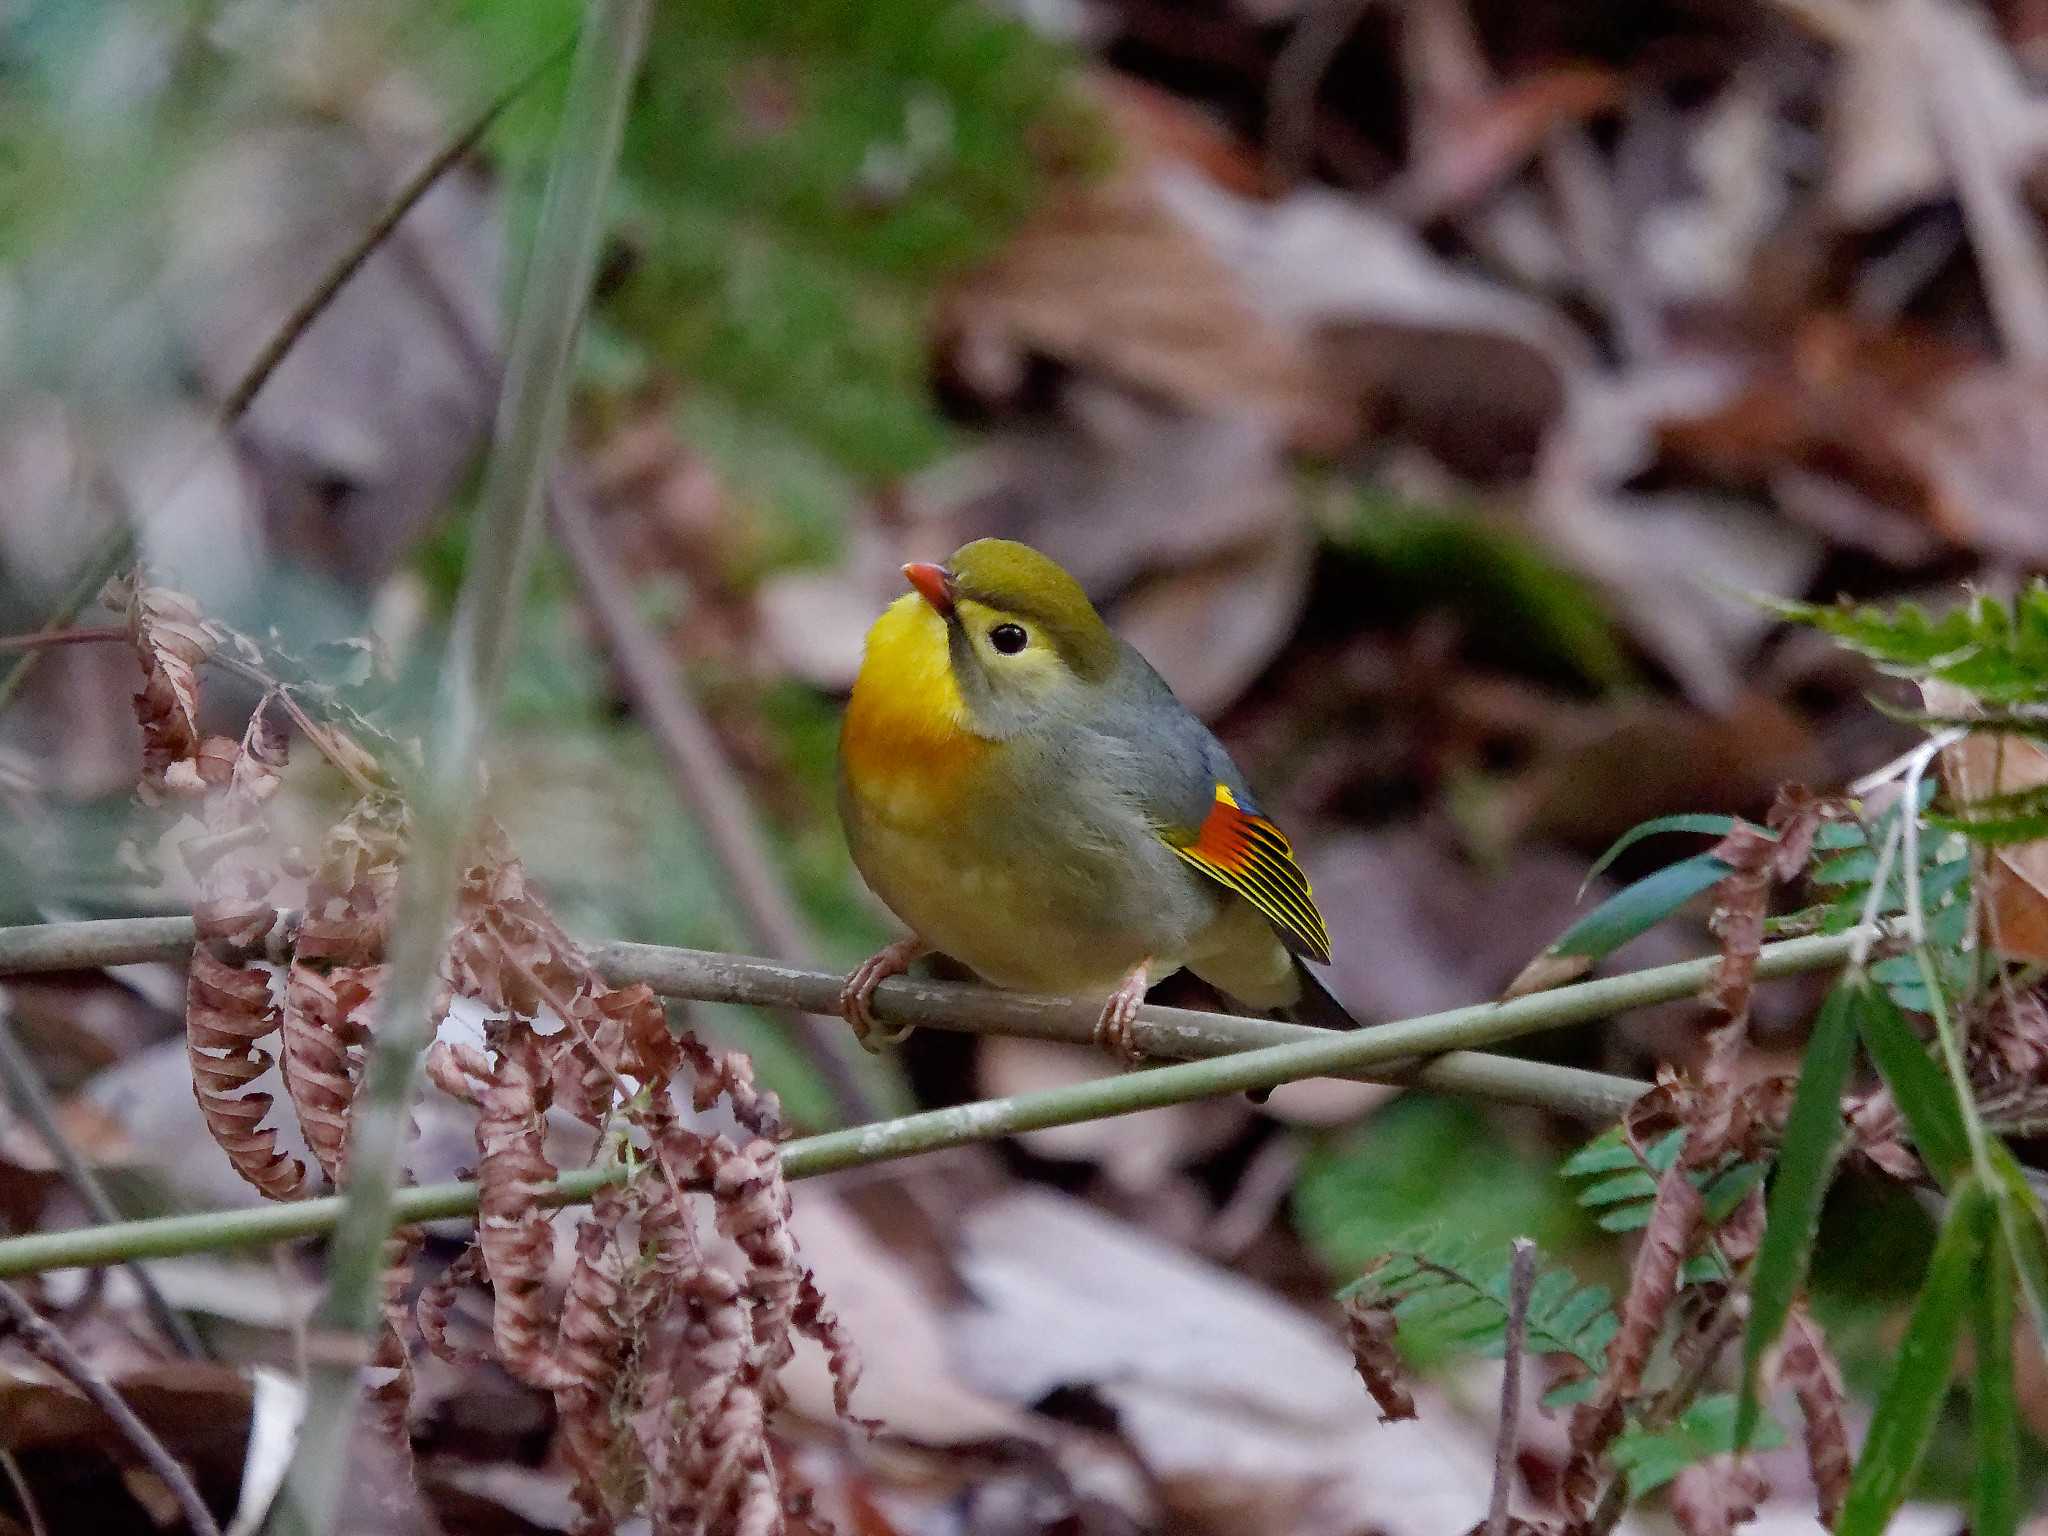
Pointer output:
x,y
1426,1164
1925,1095
1652,1458
1999,652
1636,908
1453,1295
1994,1406
1912,1396
1686,821
1611,1151
1806,1163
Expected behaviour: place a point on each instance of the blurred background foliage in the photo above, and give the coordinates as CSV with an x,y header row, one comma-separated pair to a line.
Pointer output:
x,y
1423,412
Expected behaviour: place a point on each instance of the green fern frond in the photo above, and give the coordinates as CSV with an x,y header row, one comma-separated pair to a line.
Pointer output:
x,y
1446,1295
1625,1184
1998,651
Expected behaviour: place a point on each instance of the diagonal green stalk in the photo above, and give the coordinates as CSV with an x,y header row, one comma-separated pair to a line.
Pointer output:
x,y
1386,1051
505,529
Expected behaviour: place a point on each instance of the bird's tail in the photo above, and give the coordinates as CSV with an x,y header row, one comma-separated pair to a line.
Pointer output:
x,y
1315,1005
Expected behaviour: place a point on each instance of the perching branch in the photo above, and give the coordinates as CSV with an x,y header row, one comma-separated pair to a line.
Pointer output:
x,y
1234,1066
55,1350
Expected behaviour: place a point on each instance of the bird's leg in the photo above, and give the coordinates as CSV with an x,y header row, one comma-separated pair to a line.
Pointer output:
x,y
858,995
1113,1029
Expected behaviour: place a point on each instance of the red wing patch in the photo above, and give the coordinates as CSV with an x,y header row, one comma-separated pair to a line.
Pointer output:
x,y
1253,857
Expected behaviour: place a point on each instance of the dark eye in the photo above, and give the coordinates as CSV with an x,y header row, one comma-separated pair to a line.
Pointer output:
x,y
1008,638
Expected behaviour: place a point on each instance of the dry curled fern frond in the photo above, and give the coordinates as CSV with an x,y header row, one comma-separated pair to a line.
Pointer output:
x,y
513,1232
437,1300
227,1010
593,1347
229,1002
171,639
392,1400
324,1031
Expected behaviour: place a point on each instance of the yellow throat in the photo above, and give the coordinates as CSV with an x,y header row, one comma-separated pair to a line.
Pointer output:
x,y
905,738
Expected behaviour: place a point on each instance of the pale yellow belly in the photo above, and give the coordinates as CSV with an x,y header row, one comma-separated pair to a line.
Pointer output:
x,y
1031,923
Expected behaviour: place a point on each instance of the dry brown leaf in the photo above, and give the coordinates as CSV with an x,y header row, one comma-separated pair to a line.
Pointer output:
x,y
594,1341
227,1010
171,639
1982,765
1807,1366
1107,280
1652,1287
1370,1333
1755,863
513,1233
1713,1497
324,1024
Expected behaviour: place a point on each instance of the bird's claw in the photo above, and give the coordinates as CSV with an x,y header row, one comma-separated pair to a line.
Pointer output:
x,y
856,998
1113,1028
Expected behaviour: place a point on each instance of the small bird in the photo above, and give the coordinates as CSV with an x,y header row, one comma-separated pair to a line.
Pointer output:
x,y
1028,796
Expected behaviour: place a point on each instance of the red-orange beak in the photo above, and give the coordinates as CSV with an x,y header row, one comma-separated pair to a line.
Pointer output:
x,y
933,585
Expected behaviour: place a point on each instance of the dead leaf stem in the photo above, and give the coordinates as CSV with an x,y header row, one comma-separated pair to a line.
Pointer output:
x,y
51,1347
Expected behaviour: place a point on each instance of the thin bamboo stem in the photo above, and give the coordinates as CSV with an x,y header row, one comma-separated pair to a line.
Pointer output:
x,y
1386,1051
505,529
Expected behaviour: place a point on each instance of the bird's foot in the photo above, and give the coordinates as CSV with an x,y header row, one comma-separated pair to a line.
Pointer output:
x,y
1113,1029
856,998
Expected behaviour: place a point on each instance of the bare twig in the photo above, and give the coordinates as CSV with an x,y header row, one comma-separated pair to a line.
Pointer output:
x,y
701,976
32,1099
55,1350
1296,79
706,783
1521,1276
31,1511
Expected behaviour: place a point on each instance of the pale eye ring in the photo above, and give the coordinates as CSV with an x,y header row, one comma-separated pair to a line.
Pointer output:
x,y
1008,638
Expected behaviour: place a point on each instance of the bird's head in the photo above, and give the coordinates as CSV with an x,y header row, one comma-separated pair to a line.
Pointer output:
x,y
1015,634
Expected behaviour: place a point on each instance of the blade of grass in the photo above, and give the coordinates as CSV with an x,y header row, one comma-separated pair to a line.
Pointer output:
x,y
1912,1396
1806,1162
1994,1404
1686,821
1924,1093
531,413
1636,908
2025,1231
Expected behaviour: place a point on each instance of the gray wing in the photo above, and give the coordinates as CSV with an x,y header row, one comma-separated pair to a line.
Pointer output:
x,y
1199,805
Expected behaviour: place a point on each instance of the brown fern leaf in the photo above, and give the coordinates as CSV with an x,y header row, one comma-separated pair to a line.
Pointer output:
x,y
593,1347
717,1474
1755,863
817,1322
323,1031
513,1232
227,1010
355,885
1807,1366
1653,1286
1370,1332
437,1300
171,638
1713,1497
392,1400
